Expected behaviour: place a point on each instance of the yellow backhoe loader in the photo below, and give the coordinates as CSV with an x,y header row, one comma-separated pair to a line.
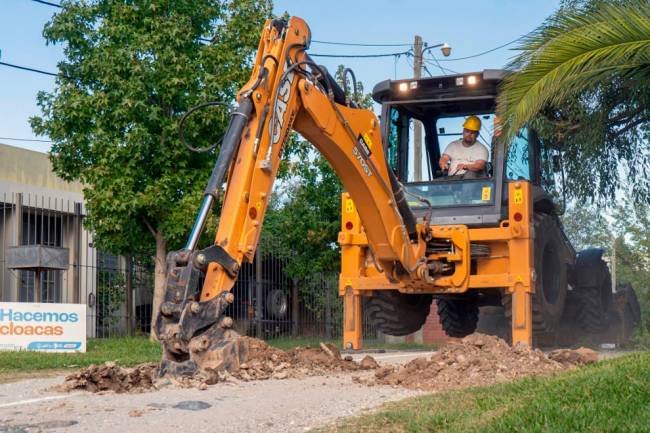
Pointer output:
x,y
492,240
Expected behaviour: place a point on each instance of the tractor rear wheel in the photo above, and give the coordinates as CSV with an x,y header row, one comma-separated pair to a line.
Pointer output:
x,y
395,313
551,276
593,291
458,317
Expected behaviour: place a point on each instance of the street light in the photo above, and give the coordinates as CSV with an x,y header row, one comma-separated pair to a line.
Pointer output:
x,y
445,48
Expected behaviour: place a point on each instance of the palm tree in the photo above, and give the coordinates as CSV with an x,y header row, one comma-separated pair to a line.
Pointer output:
x,y
572,53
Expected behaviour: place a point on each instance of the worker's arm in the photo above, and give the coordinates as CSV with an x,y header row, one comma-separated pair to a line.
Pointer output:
x,y
444,162
475,166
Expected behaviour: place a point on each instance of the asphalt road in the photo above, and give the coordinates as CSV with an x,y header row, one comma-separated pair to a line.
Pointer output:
x,y
291,405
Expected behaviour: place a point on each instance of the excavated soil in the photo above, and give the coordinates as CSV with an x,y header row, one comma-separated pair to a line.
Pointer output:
x,y
110,377
264,362
477,360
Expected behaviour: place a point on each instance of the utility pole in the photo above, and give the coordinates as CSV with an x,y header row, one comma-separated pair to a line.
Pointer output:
x,y
417,126
613,265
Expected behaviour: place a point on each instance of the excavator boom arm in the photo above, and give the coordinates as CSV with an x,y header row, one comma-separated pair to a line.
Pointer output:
x,y
287,91
295,93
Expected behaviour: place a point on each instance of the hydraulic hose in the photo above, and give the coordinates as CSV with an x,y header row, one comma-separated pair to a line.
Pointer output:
x,y
402,205
229,145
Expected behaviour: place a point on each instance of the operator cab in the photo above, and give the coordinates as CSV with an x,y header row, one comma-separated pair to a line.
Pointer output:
x,y
440,105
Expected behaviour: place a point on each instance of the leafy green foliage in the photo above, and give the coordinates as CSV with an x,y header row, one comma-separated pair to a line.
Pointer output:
x,y
583,80
111,295
304,218
131,70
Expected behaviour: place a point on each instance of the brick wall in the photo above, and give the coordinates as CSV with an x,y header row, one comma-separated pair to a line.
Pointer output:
x,y
432,332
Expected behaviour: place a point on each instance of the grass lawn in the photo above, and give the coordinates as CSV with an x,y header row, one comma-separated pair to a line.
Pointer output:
x,y
125,351
611,396
128,351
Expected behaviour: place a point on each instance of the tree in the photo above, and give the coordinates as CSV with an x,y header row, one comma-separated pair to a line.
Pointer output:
x,y
587,227
131,69
583,80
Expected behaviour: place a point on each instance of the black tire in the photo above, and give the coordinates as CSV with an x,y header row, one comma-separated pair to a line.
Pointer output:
x,y
277,305
551,276
458,317
395,313
631,300
593,290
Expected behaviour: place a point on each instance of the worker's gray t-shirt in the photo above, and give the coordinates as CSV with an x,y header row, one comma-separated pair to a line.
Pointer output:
x,y
460,154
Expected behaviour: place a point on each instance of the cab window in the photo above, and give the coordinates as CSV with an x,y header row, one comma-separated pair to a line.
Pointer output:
x,y
450,129
518,162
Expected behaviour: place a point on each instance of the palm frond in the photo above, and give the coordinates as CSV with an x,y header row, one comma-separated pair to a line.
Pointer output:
x,y
570,54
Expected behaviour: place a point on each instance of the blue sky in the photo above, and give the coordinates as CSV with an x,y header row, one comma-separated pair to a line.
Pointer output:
x,y
470,27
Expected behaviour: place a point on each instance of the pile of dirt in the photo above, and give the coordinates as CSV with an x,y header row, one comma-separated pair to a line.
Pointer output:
x,y
264,362
571,357
477,360
110,377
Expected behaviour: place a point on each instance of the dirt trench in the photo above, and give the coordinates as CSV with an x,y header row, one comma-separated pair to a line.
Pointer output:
x,y
264,362
477,359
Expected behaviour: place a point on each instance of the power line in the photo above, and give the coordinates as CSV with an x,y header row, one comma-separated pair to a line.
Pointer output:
x,y
362,55
25,139
484,52
437,64
48,3
24,68
350,44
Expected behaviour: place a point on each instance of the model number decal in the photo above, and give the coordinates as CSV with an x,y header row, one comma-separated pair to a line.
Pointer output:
x,y
362,161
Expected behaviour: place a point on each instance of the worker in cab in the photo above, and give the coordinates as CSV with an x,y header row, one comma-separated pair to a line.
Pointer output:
x,y
465,156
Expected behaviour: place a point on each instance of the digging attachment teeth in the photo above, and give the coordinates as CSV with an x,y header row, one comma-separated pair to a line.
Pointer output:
x,y
196,336
216,349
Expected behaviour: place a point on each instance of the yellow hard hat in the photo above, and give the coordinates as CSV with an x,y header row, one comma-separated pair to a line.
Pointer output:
x,y
472,123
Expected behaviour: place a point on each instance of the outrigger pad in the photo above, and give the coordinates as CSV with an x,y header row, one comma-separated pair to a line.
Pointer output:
x,y
217,349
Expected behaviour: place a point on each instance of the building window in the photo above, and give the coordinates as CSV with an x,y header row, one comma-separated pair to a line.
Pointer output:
x,y
41,229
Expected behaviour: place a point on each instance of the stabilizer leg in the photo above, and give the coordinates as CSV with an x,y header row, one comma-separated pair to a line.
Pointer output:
x,y
353,326
522,316
521,260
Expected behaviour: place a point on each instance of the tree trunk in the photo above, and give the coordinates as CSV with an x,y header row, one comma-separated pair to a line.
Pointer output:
x,y
160,272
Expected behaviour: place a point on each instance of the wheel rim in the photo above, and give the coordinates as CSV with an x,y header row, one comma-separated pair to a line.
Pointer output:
x,y
280,305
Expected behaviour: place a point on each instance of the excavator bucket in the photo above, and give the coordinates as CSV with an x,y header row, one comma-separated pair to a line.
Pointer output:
x,y
215,350
196,336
